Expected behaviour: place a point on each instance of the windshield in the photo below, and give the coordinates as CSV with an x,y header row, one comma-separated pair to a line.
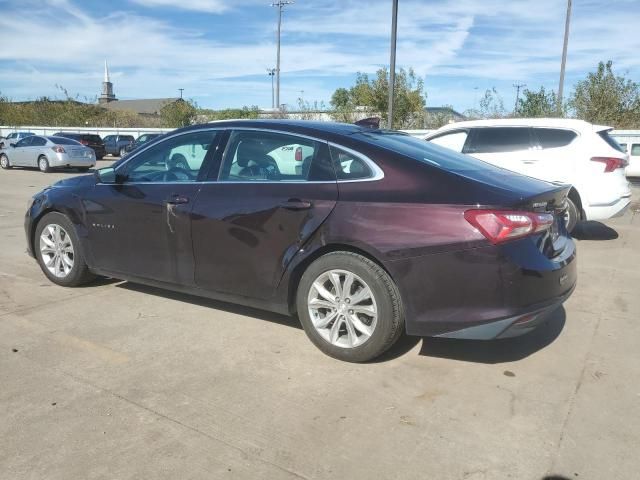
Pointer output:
x,y
424,151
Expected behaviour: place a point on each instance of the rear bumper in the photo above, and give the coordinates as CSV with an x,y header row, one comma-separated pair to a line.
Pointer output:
x,y
484,292
64,160
604,212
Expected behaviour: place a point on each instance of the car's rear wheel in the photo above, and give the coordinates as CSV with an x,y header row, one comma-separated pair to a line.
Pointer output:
x,y
59,252
349,307
4,162
571,215
43,164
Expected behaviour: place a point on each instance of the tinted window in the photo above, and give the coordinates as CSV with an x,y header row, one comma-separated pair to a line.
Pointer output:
x,y
126,138
92,138
25,142
268,156
38,141
349,166
63,141
623,146
453,140
604,135
554,137
109,138
635,149
425,152
498,139
178,159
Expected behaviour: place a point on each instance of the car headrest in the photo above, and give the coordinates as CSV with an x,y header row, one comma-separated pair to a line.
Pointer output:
x,y
248,151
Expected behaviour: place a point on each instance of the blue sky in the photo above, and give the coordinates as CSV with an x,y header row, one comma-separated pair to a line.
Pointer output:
x,y
219,50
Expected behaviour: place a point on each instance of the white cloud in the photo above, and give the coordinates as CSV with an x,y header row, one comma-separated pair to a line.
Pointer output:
x,y
207,6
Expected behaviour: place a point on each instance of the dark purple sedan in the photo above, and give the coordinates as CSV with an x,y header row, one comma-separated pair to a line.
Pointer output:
x,y
364,234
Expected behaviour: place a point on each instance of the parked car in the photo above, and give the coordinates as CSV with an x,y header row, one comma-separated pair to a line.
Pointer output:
x,y
46,153
556,150
13,137
141,140
117,144
410,237
90,140
633,169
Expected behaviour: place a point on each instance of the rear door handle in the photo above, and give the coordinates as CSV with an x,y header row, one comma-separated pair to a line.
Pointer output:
x,y
296,204
177,200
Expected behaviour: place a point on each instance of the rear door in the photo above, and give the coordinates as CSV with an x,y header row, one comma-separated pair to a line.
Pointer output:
x,y
507,147
35,150
554,156
254,215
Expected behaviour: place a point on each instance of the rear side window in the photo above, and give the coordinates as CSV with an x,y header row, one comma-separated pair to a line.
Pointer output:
x,y
38,142
604,135
554,137
635,149
498,139
453,140
254,156
349,166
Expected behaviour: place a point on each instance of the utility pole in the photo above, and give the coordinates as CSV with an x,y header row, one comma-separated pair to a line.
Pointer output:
x,y
271,72
564,55
392,61
518,86
280,4
181,89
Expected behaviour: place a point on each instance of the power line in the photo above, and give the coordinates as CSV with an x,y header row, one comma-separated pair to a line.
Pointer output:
x,y
518,86
280,4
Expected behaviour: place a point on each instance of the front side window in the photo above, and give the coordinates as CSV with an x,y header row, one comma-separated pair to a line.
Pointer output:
x,y
453,140
554,137
349,166
177,159
498,140
270,156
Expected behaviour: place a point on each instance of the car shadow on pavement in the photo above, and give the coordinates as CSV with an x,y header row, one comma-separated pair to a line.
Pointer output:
x,y
214,304
497,351
592,230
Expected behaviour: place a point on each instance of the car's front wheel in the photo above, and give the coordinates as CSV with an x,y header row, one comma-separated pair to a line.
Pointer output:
x,y
4,162
58,251
349,307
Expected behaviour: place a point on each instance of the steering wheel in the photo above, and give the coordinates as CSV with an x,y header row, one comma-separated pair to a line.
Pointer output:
x,y
176,174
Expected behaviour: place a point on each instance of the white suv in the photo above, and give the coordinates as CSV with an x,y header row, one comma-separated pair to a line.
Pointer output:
x,y
555,150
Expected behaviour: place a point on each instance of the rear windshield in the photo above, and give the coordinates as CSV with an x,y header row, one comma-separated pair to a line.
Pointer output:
x,y
63,141
604,134
92,138
425,152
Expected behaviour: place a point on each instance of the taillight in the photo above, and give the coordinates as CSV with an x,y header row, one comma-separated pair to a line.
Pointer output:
x,y
299,154
610,163
500,225
83,142
58,149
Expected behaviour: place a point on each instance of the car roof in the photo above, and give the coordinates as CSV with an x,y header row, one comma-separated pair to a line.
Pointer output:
x,y
283,124
570,123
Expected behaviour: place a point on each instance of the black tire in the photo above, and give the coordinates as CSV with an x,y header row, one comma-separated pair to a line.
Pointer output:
x,y
572,215
79,274
83,169
390,320
4,162
43,164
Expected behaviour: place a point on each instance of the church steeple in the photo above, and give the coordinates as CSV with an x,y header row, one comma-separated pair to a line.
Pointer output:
x,y
107,87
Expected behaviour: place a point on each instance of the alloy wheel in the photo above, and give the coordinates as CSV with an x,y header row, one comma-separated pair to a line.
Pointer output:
x,y
56,250
342,308
43,164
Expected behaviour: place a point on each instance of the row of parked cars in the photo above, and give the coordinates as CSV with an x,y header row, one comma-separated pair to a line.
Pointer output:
x,y
64,149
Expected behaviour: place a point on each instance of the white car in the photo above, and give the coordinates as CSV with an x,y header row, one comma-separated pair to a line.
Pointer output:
x,y
633,169
551,149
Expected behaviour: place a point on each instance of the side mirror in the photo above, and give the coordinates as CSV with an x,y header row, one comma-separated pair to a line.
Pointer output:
x,y
106,175
12,144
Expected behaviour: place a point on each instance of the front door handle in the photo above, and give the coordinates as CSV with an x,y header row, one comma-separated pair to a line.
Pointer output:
x,y
177,200
296,204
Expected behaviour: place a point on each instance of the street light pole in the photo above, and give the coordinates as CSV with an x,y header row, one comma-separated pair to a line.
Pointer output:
x,y
280,4
271,72
392,62
564,55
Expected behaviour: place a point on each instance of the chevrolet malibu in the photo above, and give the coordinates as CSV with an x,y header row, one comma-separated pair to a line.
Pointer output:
x,y
377,233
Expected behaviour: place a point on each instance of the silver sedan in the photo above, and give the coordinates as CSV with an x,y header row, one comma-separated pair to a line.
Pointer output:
x,y
46,153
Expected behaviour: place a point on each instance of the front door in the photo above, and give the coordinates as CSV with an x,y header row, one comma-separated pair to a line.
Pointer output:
x,y
140,225
266,203
19,154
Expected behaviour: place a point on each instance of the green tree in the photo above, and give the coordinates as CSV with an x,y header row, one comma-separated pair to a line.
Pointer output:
x,y
538,104
178,114
229,113
372,95
606,98
491,106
